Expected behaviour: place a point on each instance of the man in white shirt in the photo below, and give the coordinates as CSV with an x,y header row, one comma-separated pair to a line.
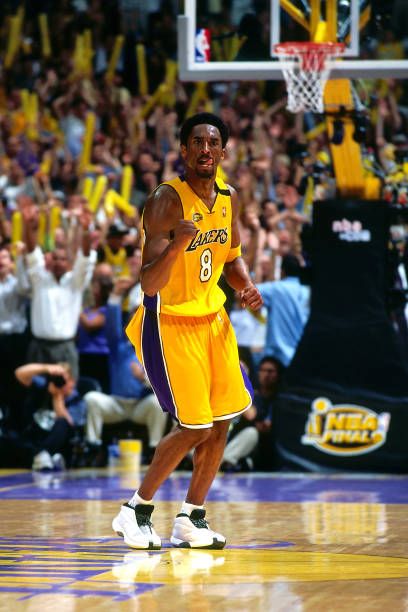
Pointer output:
x,y
56,294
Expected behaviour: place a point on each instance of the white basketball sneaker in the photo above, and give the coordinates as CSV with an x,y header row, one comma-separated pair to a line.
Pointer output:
x,y
193,532
42,462
136,528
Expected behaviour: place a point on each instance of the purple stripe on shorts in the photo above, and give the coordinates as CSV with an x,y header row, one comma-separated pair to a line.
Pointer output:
x,y
247,383
154,361
150,302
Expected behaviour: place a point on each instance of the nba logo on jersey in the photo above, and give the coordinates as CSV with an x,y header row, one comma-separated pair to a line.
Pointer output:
x,y
224,211
202,45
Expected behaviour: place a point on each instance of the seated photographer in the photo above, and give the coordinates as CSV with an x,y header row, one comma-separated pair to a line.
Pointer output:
x,y
53,410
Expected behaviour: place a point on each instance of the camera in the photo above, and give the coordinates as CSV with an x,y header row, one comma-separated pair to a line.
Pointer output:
x,y
58,380
316,171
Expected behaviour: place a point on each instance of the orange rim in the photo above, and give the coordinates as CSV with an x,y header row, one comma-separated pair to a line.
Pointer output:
x,y
312,55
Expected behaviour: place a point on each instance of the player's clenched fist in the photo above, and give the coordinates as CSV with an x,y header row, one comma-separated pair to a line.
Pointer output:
x,y
183,233
251,298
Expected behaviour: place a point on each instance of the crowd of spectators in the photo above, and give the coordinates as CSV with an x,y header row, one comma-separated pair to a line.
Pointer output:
x,y
83,141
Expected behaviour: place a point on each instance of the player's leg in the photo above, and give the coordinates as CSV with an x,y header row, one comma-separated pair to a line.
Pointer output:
x,y
190,529
133,522
206,462
175,361
169,452
175,355
230,395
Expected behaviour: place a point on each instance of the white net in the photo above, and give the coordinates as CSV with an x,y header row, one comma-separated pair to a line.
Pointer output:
x,y
306,71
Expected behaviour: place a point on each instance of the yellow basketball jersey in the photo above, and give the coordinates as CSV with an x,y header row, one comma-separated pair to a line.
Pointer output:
x,y
193,288
118,261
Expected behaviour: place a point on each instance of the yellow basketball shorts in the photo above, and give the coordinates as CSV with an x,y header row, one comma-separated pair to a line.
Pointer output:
x,y
192,364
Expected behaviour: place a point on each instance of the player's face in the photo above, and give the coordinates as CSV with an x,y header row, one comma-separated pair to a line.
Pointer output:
x,y
204,151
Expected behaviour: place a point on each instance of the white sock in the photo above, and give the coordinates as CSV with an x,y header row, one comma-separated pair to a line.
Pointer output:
x,y
136,499
187,508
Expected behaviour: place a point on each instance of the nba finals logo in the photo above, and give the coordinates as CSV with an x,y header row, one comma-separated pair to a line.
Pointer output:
x,y
345,429
202,45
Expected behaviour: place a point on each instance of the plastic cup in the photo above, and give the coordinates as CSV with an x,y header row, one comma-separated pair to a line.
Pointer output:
x,y
130,452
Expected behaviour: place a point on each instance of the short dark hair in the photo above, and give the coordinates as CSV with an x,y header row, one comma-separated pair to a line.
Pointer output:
x,y
203,119
290,265
275,361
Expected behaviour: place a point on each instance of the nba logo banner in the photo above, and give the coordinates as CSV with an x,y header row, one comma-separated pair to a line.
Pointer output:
x,y
202,45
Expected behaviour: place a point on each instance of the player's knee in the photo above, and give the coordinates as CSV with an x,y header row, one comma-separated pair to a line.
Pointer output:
x,y
197,435
220,429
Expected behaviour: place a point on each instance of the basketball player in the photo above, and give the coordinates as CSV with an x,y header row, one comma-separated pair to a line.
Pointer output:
x,y
182,333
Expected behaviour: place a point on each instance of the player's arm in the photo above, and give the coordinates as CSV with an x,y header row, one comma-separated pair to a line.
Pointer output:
x,y
166,234
236,271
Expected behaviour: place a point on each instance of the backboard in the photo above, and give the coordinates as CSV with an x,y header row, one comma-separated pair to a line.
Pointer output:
x,y
374,46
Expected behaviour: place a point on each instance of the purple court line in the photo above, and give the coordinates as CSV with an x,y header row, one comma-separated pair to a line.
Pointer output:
x,y
85,568
229,488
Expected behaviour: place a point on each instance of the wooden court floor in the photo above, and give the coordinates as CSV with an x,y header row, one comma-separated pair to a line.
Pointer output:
x,y
295,542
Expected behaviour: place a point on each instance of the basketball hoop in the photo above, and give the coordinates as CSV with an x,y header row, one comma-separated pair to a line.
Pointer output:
x,y
307,72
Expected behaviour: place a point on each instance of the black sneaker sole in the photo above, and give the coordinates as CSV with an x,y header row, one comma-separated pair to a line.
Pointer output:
x,y
216,545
